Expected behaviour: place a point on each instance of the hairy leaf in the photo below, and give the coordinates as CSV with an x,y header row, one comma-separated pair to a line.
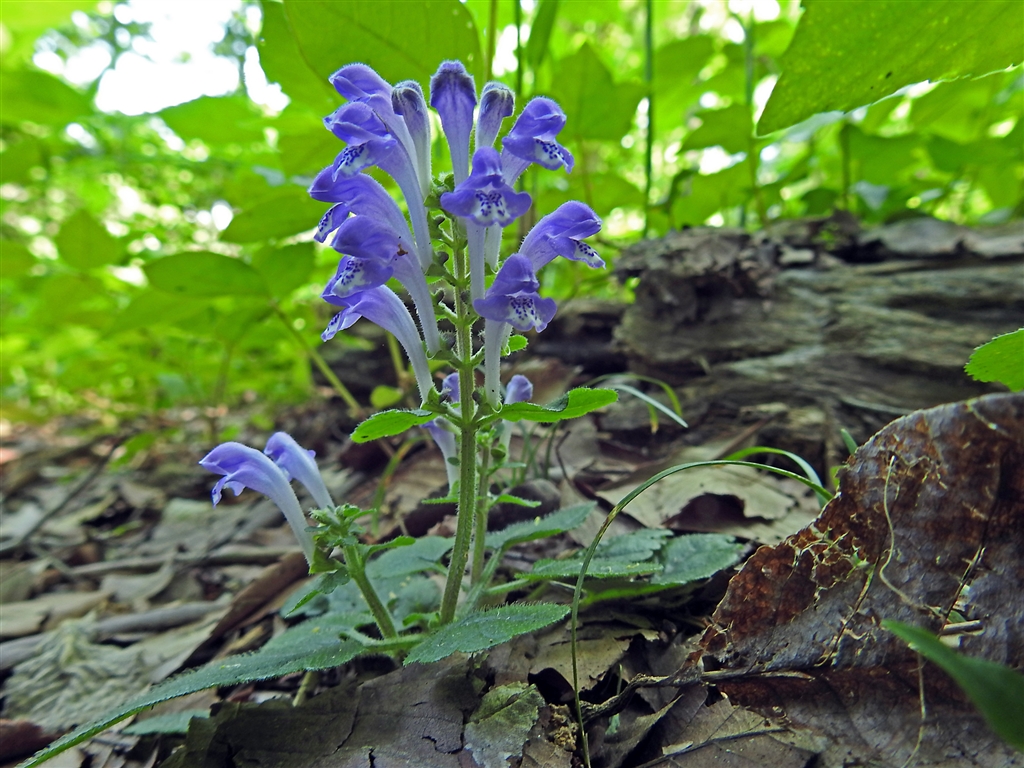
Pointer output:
x,y
540,527
486,629
697,556
572,404
388,423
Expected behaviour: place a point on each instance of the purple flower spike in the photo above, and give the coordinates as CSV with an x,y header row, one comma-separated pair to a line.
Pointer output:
x,y
453,95
408,102
513,297
296,462
518,390
561,233
496,103
244,467
382,306
358,81
368,139
360,195
484,196
532,140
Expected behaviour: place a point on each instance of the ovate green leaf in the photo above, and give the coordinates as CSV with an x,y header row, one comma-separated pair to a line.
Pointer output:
x,y
15,259
205,274
730,128
285,269
400,40
540,527
215,120
40,97
847,54
486,629
388,423
572,404
996,690
84,243
284,63
1001,359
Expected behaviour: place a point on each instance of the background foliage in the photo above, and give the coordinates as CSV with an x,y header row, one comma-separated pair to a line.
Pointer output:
x,y
166,258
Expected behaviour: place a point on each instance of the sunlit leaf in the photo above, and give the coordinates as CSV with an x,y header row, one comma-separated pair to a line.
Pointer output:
x,y
285,269
215,120
388,423
84,243
39,97
571,405
1001,359
844,55
730,128
288,212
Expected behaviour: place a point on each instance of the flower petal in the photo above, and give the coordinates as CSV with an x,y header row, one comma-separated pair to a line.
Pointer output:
x,y
496,103
297,462
453,95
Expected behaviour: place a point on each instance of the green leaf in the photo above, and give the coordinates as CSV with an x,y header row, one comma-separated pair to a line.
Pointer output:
x,y
730,128
572,404
400,40
697,556
306,152
19,158
153,307
40,97
599,568
388,423
996,690
283,62
595,106
516,343
540,527
844,55
15,259
383,396
288,212
285,269
204,274
215,120
174,722
84,243
422,555
312,645
712,192
1001,359
486,629
540,32
678,64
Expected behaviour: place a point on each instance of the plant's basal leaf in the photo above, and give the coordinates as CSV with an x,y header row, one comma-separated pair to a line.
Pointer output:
x,y
997,691
388,423
175,722
576,402
486,629
421,555
84,243
287,213
599,568
215,120
826,67
540,527
697,556
595,106
312,645
1002,360
205,274
400,40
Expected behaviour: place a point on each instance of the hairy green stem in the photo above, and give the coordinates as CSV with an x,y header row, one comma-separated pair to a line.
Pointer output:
x,y
467,446
357,570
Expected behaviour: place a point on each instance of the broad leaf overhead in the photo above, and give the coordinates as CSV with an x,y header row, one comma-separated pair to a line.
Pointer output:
x,y
825,68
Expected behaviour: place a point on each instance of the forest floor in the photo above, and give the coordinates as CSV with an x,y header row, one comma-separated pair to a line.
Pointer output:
x,y
116,573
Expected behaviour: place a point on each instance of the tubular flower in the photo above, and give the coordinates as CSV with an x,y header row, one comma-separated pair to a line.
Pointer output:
x,y
408,102
381,306
561,233
361,195
532,140
512,301
453,95
441,432
519,389
296,462
483,200
375,253
244,467
496,103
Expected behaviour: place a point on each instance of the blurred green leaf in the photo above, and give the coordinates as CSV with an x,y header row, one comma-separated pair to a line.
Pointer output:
x,y
215,120
709,193
84,243
677,64
153,307
39,97
595,106
540,32
882,159
285,269
25,20
730,128
18,159
1001,359
996,690
15,259
400,40
205,274
844,55
289,211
